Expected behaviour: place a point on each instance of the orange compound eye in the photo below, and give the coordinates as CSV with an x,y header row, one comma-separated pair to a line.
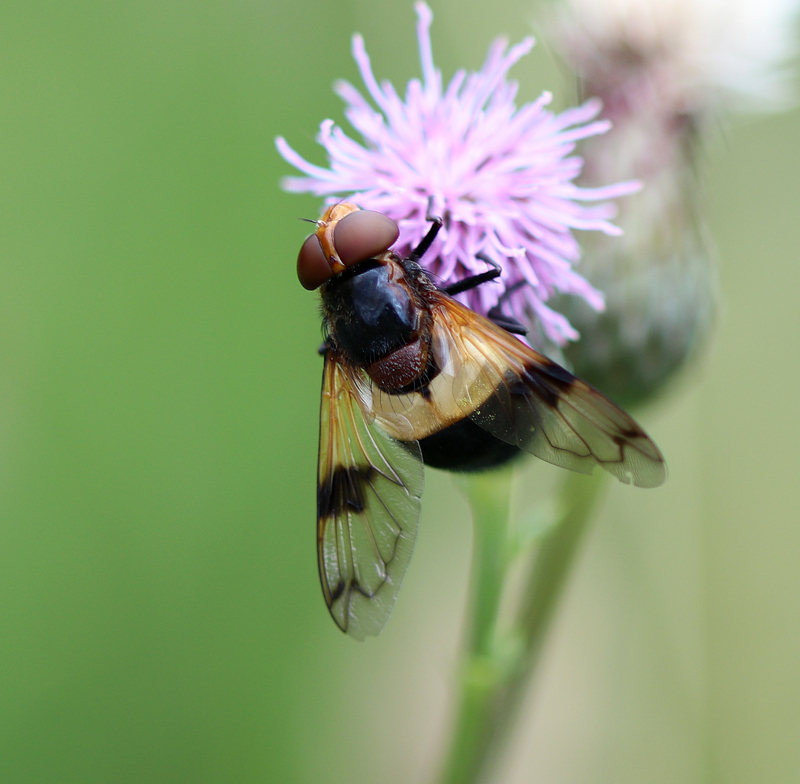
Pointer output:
x,y
313,269
363,235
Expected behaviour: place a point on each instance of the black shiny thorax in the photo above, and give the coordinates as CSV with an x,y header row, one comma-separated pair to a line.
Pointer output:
x,y
374,308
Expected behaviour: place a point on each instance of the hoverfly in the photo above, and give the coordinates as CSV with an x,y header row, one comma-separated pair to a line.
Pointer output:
x,y
412,376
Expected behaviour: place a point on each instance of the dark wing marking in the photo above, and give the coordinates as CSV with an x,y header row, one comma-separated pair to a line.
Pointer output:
x,y
519,396
369,489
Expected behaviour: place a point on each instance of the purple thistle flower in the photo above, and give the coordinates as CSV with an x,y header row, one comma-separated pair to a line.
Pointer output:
x,y
501,177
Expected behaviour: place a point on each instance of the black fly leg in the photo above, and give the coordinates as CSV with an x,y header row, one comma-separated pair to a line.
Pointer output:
x,y
427,240
425,243
475,280
508,323
495,314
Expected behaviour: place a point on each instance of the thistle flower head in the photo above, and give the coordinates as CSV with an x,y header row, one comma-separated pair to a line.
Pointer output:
x,y
667,71
695,57
501,177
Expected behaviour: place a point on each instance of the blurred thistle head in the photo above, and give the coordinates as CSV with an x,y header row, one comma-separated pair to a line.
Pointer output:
x,y
698,58
667,71
501,177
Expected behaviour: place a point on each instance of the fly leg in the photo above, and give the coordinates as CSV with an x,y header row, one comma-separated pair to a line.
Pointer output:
x,y
495,314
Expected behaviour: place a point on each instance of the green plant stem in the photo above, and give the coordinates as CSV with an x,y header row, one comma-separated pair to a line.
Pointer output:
x,y
490,497
494,675
580,495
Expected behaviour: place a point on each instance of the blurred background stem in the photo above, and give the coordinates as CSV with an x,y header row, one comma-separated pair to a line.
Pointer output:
x,y
490,498
497,665
579,497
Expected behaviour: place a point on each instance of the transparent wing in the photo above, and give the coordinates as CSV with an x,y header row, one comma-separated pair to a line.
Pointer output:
x,y
521,397
368,501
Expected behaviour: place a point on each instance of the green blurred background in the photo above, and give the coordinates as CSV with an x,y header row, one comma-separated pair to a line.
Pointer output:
x,y
160,614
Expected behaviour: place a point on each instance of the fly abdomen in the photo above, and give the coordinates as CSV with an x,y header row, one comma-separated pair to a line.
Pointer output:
x,y
466,446
400,368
